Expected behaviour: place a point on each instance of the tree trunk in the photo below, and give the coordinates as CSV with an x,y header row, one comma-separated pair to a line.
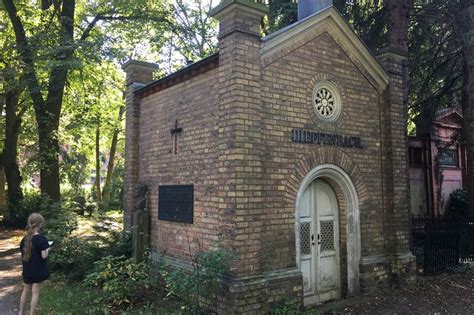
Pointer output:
x,y
47,112
110,164
468,132
466,26
397,23
3,199
48,125
97,163
48,150
12,130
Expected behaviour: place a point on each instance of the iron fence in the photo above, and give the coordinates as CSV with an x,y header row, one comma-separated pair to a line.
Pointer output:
x,y
442,243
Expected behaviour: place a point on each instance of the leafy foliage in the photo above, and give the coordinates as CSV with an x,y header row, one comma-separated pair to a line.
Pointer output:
x,y
435,63
75,255
120,278
366,17
199,284
60,297
281,13
59,222
72,257
290,307
53,45
458,204
191,37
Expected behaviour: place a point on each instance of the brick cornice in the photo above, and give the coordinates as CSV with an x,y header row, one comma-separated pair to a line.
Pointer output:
x,y
139,64
179,76
249,6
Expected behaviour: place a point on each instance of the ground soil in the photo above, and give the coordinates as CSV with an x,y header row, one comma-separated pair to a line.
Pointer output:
x,y
448,293
10,270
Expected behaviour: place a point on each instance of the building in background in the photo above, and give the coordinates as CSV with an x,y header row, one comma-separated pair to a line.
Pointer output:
x,y
437,164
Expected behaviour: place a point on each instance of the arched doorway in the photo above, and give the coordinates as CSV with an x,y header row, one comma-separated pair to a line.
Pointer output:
x,y
327,211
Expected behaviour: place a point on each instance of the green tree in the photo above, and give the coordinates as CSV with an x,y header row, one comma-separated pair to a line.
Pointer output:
x,y
12,104
48,40
441,48
92,125
281,13
191,37
464,25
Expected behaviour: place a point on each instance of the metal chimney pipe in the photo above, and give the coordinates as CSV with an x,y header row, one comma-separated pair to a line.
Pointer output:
x,y
309,7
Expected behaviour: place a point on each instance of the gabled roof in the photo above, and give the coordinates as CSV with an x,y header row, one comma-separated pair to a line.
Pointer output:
x,y
336,26
449,117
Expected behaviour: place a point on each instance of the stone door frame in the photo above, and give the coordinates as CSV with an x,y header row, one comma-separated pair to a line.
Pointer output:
x,y
339,176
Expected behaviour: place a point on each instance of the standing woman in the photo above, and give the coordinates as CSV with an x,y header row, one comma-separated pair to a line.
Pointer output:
x,y
34,251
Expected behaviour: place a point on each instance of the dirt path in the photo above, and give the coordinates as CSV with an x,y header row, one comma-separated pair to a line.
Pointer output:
x,y
440,294
10,270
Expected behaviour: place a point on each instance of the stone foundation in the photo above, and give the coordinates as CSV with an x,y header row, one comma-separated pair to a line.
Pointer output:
x,y
252,294
404,268
259,294
374,272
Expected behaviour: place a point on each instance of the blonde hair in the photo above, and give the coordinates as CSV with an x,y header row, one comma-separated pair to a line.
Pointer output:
x,y
34,220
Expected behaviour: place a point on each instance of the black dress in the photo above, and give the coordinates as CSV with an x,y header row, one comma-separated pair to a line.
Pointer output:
x,y
35,270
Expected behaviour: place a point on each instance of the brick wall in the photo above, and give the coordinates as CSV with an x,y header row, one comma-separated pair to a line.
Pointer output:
x,y
138,74
194,104
403,265
236,149
287,90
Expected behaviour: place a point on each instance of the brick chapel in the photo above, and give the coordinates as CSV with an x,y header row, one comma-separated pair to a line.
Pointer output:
x,y
288,150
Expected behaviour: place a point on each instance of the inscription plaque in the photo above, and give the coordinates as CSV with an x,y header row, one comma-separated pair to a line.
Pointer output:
x,y
315,137
176,203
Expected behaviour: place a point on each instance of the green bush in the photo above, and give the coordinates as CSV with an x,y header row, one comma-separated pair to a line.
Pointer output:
x,y
73,257
16,216
56,217
59,222
82,205
116,243
200,284
458,204
115,200
121,278
289,307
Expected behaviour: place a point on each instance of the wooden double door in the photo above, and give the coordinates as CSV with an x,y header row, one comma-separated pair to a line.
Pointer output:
x,y
319,243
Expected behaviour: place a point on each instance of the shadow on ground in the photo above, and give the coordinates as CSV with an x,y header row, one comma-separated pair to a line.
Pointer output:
x,y
10,270
449,293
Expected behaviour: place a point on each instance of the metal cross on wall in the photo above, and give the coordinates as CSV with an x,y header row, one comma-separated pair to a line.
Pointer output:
x,y
175,132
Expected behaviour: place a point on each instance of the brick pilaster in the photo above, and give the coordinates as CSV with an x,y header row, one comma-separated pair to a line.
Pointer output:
x,y
240,165
138,74
403,264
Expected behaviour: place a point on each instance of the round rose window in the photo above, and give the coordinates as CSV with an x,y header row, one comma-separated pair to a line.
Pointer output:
x,y
326,101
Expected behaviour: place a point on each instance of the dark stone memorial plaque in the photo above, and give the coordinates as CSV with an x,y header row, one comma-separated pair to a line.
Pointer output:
x,y
176,203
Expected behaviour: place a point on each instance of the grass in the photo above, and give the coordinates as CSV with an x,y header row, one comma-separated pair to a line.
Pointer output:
x,y
86,223
60,297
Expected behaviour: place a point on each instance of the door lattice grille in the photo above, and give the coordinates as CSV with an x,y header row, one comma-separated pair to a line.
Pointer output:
x,y
327,235
305,232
